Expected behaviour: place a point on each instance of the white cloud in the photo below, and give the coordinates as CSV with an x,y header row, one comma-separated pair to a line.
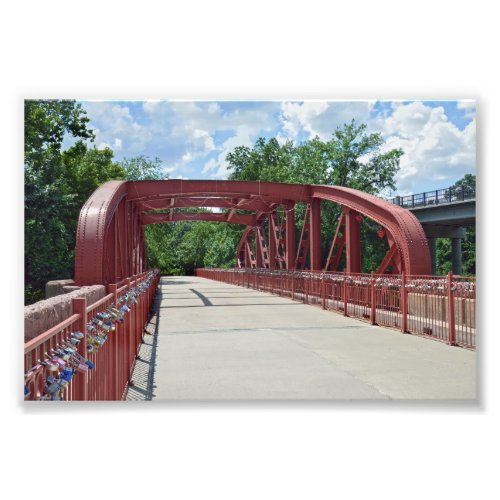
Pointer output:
x,y
209,166
194,137
321,118
299,116
220,166
468,106
111,121
435,149
150,105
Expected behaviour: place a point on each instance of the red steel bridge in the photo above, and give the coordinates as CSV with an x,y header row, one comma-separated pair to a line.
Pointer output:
x,y
110,242
273,255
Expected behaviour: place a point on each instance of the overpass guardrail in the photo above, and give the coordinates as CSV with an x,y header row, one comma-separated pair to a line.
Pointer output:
x,y
90,355
442,308
433,198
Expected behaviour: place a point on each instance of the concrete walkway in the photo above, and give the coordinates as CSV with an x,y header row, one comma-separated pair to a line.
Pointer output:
x,y
211,340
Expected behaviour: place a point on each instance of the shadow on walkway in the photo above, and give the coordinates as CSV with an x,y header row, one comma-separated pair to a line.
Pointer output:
x,y
144,370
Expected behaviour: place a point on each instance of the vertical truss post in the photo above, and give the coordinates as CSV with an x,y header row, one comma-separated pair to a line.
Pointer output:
x,y
258,250
290,235
247,256
315,235
272,242
353,240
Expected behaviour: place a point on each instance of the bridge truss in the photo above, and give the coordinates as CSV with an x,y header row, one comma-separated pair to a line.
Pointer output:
x,y
111,245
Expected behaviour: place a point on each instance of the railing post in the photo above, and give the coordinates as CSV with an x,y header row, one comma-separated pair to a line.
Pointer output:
x,y
404,306
128,339
345,295
79,306
323,293
373,316
451,312
116,345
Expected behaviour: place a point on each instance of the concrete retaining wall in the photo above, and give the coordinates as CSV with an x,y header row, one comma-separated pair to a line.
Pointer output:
x,y
45,314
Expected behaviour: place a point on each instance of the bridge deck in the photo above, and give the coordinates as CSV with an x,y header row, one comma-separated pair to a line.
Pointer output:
x,y
211,340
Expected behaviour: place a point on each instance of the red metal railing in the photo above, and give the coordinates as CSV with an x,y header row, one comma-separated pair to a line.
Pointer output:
x,y
103,372
438,307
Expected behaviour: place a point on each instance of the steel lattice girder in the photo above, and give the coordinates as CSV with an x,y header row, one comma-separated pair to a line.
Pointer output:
x,y
110,237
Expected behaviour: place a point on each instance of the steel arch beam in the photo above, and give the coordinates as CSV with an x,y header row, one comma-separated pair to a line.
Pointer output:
x,y
110,235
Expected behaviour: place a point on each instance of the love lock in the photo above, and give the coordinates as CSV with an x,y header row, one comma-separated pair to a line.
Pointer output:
x,y
51,367
82,368
67,374
58,360
107,326
91,348
53,388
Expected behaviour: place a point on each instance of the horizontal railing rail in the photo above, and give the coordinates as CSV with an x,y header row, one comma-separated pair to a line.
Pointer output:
x,y
90,355
438,307
437,197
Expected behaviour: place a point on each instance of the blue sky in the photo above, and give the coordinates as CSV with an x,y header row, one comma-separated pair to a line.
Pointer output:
x,y
192,138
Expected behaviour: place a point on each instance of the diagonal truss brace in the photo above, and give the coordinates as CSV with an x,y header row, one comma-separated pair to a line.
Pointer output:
x,y
304,241
332,261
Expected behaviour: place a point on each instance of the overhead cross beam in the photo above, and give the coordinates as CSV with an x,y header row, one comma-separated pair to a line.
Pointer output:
x,y
149,218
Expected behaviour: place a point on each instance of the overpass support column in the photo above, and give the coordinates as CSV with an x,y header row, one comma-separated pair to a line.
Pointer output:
x,y
315,235
432,250
456,255
353,240
290,235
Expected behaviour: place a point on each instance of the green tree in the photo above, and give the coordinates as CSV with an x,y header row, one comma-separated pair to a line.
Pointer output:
x,y
46,122
57,183
350,158
143,168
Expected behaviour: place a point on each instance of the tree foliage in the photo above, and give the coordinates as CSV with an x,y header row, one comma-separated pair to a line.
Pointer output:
x,y
57,183
142,168
180,247
350,158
